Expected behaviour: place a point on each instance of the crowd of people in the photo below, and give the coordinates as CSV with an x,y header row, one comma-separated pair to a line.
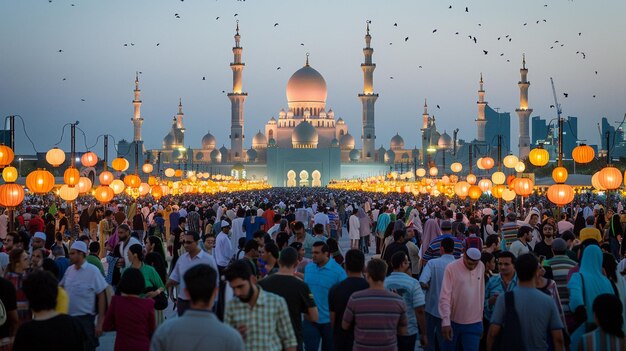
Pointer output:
x,y
265,270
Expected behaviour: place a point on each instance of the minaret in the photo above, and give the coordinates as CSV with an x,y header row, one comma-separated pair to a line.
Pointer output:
x,y
179,116
368,99
481,121
137,120
523,112
426,122
237,99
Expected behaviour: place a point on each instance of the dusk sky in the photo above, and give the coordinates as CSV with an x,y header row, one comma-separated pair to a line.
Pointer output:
x,y
98,68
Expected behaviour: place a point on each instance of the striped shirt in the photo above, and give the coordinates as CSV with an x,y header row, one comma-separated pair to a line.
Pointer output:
x,y
561,265
433,250
509,234
600,340
376,316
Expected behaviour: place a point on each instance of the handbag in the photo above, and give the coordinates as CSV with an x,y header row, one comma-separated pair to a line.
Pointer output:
x,y
160,301
510,338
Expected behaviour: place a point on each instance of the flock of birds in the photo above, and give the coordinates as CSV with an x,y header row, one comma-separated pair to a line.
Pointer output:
x,y
473,38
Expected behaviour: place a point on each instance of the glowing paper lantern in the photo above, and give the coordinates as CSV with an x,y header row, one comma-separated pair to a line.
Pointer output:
x,y
520,167
84,185
179,173
433,171
523,186
106,178
485,185
508,195
498,178
120,164
40,181
170,172
559,174
71,176
595,181
497,190
420,172
462,189
156,191
474,192
471,179
539,156
104,194
152,180
487,162
560,194
6,155
147,168
510,161
610,178
479,163
132,181
583,153
144,189
55,157
117,186
89,159
68,193
456,167
9,174
11,195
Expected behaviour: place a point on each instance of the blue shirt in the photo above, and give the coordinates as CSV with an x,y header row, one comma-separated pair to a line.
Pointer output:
x,y
411,292
495,286
320,280
432,275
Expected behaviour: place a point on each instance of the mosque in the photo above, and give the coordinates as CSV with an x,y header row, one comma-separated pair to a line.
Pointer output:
x,y
307,145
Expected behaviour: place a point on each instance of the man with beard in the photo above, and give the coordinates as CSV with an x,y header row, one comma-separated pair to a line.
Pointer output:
x,y
126,241
261,317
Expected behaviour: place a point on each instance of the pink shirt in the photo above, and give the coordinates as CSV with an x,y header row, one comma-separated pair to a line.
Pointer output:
x,y
462,294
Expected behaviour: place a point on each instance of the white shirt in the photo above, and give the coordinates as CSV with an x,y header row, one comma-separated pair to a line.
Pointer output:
x,y
124,250
236,232
223,249
182,266
321,218
82,285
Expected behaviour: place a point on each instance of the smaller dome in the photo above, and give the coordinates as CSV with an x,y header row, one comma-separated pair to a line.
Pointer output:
x,y
334,142
216,155
271,142
382,149
224,153
405,156
252,155
347,142
355,155
259,141
304,135
208,141
340,120
272,121
168,141
397,143
445,141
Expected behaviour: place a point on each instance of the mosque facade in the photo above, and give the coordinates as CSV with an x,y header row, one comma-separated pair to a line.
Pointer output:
x,y
307,145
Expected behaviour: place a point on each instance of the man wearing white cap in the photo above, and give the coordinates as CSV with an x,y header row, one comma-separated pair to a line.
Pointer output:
x,y
83,282
461,302
37,242
223,247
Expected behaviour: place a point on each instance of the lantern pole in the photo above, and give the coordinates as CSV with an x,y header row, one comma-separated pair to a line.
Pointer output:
x,y
12,146
608,163
500,197
106,152
70,216
136,158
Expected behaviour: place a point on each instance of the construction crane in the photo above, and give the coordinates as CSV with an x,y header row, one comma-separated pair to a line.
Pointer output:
x,y
560,121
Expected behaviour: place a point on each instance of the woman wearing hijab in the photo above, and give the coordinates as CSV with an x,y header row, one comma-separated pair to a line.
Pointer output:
x,y
579,221
584,287
613,232
364,230
431,231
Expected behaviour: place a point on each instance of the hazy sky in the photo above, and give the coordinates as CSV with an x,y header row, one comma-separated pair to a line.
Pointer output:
x,y
100,69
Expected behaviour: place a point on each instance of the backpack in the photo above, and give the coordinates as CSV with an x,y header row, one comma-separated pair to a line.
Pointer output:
x,y
509,338
3,314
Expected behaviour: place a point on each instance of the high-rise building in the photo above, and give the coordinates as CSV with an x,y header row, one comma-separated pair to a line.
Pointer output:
x,y
539,130
606,128
570,136
498,123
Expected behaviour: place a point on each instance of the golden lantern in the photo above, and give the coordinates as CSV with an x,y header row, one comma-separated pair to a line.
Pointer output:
x,y
179,173
560,194
84,185
559,174
6,155
120,164
144,189
474,192
55,157
498,178
479,164
583,153
539,156
610,178
104,194
106,178
445,180
510,161
595,181
523,186
508,195
71,176
68,193
117,186
9,174
487,162
456,167
420,172
520,167
453,178
132,181
510,179
89,159
471,179
170,172
152,180
461,189
485,185
147,168
40,181
156,191
497,190
11,195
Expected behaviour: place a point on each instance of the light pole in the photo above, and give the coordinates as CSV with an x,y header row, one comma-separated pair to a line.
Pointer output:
x,y
19,169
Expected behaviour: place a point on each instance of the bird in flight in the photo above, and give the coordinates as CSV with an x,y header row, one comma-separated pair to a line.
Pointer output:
x,y
302,44
203,78
395,24
176,15
216,18
158,44
485,52
275,24
82,99
406,39
434,30
566,94
64,79
450,7
466,9
390,77
236,15
277,68
438,107
551,106
60,50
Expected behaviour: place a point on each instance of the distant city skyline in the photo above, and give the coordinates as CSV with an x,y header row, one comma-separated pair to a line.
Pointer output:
x,y
84,44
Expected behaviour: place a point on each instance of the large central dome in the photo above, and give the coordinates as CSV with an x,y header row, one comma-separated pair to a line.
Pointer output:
x,y
306,86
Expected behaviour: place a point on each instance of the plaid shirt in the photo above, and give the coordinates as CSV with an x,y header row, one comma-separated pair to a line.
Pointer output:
x,y
268,324
193,221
